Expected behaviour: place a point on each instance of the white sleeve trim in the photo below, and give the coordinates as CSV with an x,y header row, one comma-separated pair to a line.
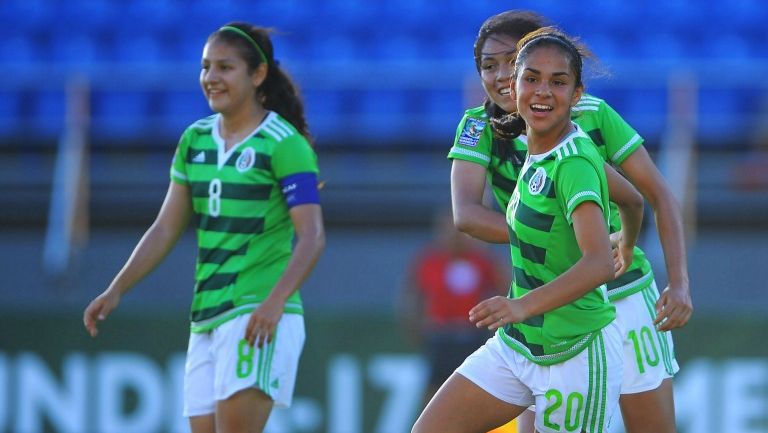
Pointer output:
x,y
471,153
585,108
177,173
580,195
590,98
626,147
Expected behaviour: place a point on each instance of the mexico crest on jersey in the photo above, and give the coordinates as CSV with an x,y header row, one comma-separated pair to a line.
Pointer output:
x,y
536,184
246,160
471,133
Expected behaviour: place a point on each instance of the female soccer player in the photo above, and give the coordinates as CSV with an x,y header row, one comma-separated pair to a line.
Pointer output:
x,y
557,344
248,175
650,364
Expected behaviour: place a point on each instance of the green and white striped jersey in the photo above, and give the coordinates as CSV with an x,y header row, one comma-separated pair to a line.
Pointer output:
x,y
244,231
615,141
543,247
614,138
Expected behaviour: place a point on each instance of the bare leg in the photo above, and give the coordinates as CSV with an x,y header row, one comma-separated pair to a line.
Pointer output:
x,y
651,411
203,424
246,411
460,406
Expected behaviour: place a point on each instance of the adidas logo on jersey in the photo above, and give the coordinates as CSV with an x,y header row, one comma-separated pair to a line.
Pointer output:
x,y
199,158
275,383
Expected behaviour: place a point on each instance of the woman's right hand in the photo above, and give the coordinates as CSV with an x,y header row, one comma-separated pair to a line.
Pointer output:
x,y
623,254
497,312
99,309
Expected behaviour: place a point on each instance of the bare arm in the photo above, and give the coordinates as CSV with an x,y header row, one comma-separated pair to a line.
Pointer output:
x,y
630,204
153,247
674,307
469,214
594,268
307,220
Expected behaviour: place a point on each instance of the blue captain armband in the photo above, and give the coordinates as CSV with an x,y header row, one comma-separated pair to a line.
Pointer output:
x,y
300,188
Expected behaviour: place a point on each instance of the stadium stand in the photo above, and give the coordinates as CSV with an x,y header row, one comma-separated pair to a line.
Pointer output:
x,y
373,66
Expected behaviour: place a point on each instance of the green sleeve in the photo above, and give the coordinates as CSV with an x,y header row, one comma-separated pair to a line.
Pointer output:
x,y
179,164
293,155
621,140
473,140
577,181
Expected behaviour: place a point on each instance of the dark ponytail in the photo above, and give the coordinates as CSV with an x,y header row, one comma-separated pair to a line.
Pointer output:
x,y
508,126
278,92
282,97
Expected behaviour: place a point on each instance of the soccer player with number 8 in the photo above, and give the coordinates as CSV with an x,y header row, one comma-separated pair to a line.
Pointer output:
x,y
248,177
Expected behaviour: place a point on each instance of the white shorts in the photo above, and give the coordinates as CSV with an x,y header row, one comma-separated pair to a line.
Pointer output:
x,y
221,363
649,355
581,393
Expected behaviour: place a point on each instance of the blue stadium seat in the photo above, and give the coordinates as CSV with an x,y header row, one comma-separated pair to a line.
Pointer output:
x,y
121,112
322,103
383,101
138,49
179,109
25,17
48,111
441,110
116,103
324,111
659,46
398,47
644,109
19,50
9,102
87,17
333,48
729,46
79,49
723,112
10,113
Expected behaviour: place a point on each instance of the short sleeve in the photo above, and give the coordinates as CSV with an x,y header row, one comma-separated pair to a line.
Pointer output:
x,y
473,140
621,140
577,181
179,164
293,155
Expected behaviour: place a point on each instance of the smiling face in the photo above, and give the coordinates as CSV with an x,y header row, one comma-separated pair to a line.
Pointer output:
x,y
546,89
224,78
497,53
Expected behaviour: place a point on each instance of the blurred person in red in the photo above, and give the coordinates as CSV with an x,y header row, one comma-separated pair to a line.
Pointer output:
x,y
446,279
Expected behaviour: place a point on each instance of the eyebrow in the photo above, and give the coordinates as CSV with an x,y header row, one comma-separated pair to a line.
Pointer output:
x,y
536,71
498,52
221,60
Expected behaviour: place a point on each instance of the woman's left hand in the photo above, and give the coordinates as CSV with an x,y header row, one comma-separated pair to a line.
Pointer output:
x,y
497,312
674,308
263,322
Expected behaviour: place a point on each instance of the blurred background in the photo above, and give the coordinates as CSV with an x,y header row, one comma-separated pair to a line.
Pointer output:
x,y
96,94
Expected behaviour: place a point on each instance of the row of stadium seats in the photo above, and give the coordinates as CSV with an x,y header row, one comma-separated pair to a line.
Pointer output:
x,y
89,49
364,116
85,35
173,30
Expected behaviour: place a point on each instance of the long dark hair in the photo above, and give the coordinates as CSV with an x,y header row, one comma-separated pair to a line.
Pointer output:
x,y
277,93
